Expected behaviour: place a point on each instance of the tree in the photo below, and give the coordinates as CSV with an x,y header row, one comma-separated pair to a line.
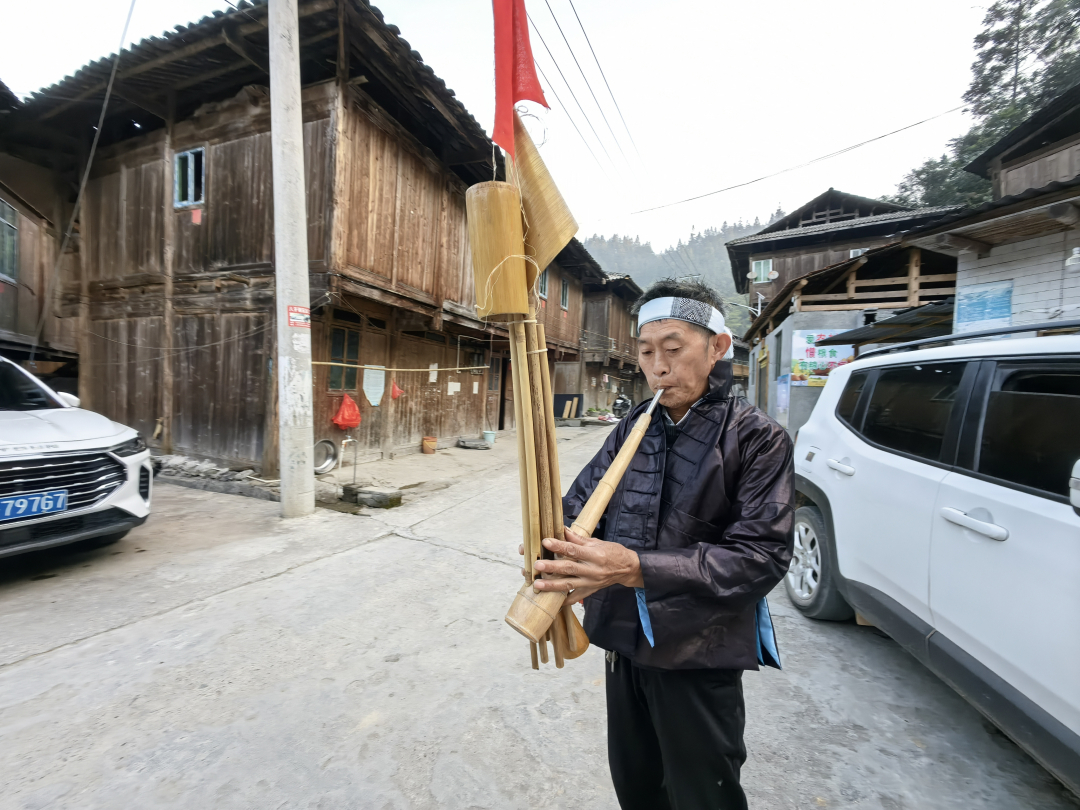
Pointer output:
x,y
1003,75
1027,54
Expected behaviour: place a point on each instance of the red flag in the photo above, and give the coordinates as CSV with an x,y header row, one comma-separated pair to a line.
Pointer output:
x,y
515,71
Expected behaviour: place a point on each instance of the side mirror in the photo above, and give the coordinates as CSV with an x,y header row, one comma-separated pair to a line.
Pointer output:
x,y
1074,488
73,401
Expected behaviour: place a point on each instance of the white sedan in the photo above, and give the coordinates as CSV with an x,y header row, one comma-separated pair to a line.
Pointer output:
x,y
66,474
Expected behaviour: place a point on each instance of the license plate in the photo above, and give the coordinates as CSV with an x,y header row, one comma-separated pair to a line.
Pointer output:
x,y
34,503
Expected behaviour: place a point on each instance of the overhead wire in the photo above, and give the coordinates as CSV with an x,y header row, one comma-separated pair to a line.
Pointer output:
x,y
551,87
801,165
604,76
571,89
45,301
586,78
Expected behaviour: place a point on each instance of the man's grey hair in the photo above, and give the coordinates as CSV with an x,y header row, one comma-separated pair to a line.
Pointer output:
x,y
674,288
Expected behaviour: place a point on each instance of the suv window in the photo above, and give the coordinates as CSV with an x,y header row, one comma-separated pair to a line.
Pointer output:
x,y
19,392
1028,434
850,398
910,406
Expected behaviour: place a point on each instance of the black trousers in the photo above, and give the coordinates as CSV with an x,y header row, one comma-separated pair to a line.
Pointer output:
x,y
675,737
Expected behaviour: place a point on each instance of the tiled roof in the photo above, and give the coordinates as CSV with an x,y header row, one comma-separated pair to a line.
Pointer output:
x,y
860,222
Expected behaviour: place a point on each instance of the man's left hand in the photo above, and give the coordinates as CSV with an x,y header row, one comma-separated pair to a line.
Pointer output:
x,y
587,566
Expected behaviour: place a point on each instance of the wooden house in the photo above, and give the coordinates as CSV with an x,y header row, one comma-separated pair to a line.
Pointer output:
x,y
831,228
610,343
788,363
1018,256
165,301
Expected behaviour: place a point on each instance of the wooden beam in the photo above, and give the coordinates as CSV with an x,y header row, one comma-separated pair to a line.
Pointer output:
x,y
859,296
832,307
168,366
238,45
914,270
964,244
1064,212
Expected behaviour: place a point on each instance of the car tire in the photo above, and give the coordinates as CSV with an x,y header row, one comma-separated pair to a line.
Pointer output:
x,y
100,542
811,581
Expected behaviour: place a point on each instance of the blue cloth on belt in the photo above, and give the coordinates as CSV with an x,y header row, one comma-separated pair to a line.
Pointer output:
x,y
768,654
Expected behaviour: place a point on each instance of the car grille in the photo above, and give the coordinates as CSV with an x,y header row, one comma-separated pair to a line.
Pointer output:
x,y
87,477
48,529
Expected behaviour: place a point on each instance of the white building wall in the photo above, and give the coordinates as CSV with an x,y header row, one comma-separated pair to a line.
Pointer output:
x,y
1042,284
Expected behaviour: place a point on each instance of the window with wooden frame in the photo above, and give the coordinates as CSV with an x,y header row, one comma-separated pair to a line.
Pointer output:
x,y
564,298
189,175
9,242
344,348
761,270
541,284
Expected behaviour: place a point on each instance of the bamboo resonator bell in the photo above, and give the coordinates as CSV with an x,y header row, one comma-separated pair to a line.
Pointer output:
x,y
498,250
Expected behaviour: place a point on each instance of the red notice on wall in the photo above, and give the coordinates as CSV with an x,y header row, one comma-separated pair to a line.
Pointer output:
x,y
300,317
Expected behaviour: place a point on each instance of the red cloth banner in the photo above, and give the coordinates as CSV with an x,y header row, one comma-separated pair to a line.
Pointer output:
x,y
515,71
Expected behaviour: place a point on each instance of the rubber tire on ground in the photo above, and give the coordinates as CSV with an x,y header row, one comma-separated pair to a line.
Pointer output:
x,y
100,542
827,603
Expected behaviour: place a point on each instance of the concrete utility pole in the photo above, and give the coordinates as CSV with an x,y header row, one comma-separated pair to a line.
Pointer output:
x,y
296,439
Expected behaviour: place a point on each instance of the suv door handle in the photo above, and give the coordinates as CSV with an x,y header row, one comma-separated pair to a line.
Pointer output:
x,y
991,530
840,468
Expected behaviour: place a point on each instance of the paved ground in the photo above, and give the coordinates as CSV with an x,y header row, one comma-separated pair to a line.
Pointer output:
x,y
220,658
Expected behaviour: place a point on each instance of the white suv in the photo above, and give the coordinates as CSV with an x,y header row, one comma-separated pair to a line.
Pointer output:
x,y
939,498
66,475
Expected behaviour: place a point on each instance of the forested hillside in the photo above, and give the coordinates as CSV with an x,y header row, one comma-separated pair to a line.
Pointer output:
x,y
702,255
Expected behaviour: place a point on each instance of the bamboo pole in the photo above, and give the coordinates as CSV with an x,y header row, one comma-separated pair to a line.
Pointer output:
x,y
527,431
576,639
543,468
523,476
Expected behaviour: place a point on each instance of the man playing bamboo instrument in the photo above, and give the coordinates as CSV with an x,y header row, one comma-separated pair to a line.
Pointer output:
x,y
698,531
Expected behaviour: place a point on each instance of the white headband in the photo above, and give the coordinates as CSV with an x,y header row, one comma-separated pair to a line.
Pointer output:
x,y
689,310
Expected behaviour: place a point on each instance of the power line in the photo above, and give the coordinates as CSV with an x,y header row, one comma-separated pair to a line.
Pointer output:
x,y
586,78
45,302
566,112
597,60
801,165
571,89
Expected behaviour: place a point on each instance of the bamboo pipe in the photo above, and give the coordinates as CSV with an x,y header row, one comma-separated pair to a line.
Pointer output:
x,y
598,502
576,639
540,429
531,614
523,475
525,430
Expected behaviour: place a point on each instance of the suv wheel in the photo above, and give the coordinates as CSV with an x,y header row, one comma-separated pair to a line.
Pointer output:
x,y
811,580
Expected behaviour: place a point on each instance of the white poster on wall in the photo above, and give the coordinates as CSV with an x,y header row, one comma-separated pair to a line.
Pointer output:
x,y
433,375
810,363
374,384
453,387
983,306
783,398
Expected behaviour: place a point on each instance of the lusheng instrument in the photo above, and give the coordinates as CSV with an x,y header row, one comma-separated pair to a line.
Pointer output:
x,y
515,229
534,612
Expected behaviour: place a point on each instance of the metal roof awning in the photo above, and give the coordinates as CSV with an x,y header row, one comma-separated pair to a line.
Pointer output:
x,y
929,321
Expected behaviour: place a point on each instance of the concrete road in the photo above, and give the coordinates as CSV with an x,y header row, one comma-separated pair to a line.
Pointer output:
x,y
220,658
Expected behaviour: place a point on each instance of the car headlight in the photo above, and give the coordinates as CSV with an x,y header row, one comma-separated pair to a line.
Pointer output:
x,y
129,448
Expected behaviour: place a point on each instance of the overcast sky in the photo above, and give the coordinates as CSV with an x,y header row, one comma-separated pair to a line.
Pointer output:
x,y
714,93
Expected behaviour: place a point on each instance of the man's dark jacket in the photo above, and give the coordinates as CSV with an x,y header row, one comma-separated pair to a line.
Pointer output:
x,y
725,539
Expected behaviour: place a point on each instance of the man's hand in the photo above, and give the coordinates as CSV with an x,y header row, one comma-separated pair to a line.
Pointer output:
x,y
587,566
